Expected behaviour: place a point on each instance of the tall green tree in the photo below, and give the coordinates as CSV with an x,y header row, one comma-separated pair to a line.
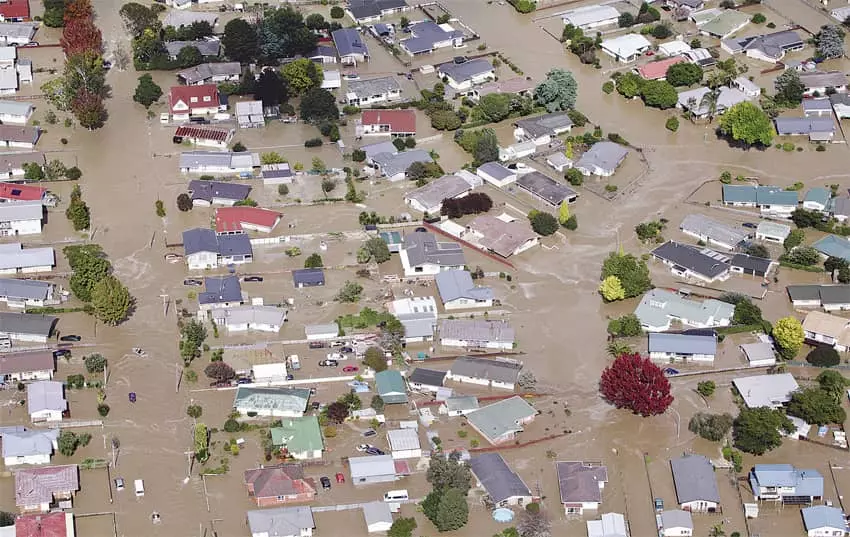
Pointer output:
x,y
684,74
757,430
632,272
137,18
494,107
240,41
748,124
284,34
789,88
302,75
789,336
319,105
147,92
449,473
111,301
558,91
816,406
453,511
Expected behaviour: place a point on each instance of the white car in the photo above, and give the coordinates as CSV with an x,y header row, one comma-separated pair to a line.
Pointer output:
x,y
363,447
335,356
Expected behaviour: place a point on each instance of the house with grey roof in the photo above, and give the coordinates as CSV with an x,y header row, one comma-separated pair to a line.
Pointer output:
x,y
224,292
682,347
428,36
751,265
46,400
496,174
457,291
786,484
209,47
765,47
580,485
29,327
823,520
373,469
772,232
12,163
602,159
218,162
676,523
24,446
495,373
818,129
712,232
772,391
178,19
282,522
206,193
817,107
317,332
363,11
27,365
372,91
504,486
659,308
696,486
770,200
693,262
16,112
308,277
429,197
696,101
422,254
211,73
378,516
250,318
819,83
541,129
15,259
205,249
840,105
418,315
17,33
719,23
546,189
463,76
459,405
274,402
394,165
350,46
759,354
21,218
404,443
502,421
18,293
477,334
424,379
829,297
500,236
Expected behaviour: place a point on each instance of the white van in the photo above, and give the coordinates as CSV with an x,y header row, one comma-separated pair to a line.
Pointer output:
x,y
140,487
396,495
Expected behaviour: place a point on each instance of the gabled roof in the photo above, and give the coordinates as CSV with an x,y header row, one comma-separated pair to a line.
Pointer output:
x,y
21,210
676,518
178,18
16,288
403,439
428,377
487,369
363,9
802,482
282,521
517,84
239,315
547,124
462,403
659,305
311,276
20,133
371,466
18,30
474,330
587,15
390,386
766,390
203,133
209,70
287,399
426,34
15,9
433,193
821,516
714,230
220,290
26,323
823,79
206,240
610,525
682,343
773,229
283,480
400,121
455,284
545,187
604,155
374,86
232,218
751,263
377,512
26,362
34,486
578,482
626,45
28,442
658,69
46,395
823,105
833,245
803,125
497,478
196,159
697,260
465,71
395,163
207,47
14,255
422,248
724,23
15,191
184,94
772,45
298,434
209,190
693,477
501,418
349,42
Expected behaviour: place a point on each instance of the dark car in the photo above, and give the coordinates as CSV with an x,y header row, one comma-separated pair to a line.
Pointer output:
x,y
71,337
219,383
290,377
368,432
346,349
244,380
374,451
198,120
316,345
749,225
61,352
252,279
315,405
193,282
326,482
421,230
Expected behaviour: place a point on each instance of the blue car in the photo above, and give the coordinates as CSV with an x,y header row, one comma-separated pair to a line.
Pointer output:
x,y
671,371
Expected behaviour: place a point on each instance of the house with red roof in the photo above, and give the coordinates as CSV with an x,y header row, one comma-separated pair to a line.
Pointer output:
x,y
203,136
18,192
658,70
14,10
279,485
238,220
56,524
387,122
39,489
187,101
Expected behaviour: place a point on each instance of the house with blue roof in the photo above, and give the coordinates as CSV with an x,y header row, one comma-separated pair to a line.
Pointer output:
x,y
659,308
682,347
770,200
350,46
223,292
817,199
428,36
786,484
833,246
823,521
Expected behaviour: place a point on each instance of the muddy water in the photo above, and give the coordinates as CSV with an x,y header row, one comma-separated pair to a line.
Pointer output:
x,y
552,301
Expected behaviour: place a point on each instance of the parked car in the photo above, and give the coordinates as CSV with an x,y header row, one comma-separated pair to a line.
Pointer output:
x,y
31,44
368,432
193,282
671,371
316,345
328,363
351,76
363,447
340,478
374,451
335,356
348,350
315,405
326,483
61,353
750,225
290,377
252,279
119,483
173,258
244,380
421,230
337,343
349,369
70,337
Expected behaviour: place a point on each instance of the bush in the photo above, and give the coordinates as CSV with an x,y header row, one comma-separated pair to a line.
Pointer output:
x,y
184,202
758,18
824,357
706,388
231,425
313,142
574,177
543,223
337,12
672,124
710,426
282,190
73,173
608,87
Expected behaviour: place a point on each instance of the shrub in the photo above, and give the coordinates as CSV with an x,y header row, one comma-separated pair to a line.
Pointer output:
x,y
283,190
231,425
710,426
824,357
337,12
239,147
574,177
608,87
758,18
788,146
706,388
103,409
313,142
672,124
543,223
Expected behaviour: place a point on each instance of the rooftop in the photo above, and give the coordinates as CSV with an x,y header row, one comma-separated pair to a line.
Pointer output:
x,y
178,18
428,377
501,418
26,323
626,45
363,9
696,259
604,155
766,390
682,343
392,164
221,290
55,524
232,218
545,187
820,79
19,192
579,482
676,518
503,371
403,439
193,75
34,486
242,315
803,125
773,229
423,248
456,284
724,23
426,34
547,124
477,331
588,15
825,294
275,399
207,47
209,190
218,159
29,442
833,245
26,362
714,230
465,71
658,69
433,193
46,395
659,306
400,121
374,86
349,42
282,521
390,386
13,256
772,45
497,478
821,516
693,477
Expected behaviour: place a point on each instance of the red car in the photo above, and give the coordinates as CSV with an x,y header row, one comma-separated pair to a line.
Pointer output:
x,y
340,478
349,369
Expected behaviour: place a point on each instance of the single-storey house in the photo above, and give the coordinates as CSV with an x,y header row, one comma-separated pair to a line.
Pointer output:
x,y
299,438
350,46
712,232
274,402
209,47
404,443
695,262
27,365
24,446
626,48
746,86
823,328
15,112
817,107
220,292
501,421
772,232
215,162
833,246
546,189
659,308
378,517
365,93
178,19
580,485
676,523
517,151
770,200
474,333
204,249
364,11
17,33
695,101
496,174
677,47
602,159
249,317
840,13
786,484
504,486
840,104
459,405
310,277
46,400
759,354
720,23
464,76
421,254
696,486
279,485
457,291
15,259
428,36
276,174
236,220
751,265
374,469
21,218
325,55
389,384
769,48
399,123
429,197
203,136
249,115
12,165
394,165
22,192
542,129
20,294
559,162
771,391
29,327
318,332
37,490
610,524
211,73
54,524
590,17
418,315
207,193
494,373
657,70
819,83
682,347
829,297
818,129
15,11
518,85
19,136
824,521
282,522
427,380
503,238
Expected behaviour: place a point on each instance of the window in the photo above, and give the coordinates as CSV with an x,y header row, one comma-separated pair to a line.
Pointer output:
x,y
207,98
193,99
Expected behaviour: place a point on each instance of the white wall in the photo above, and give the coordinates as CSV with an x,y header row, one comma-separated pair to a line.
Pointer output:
x,y
485,345
202,260
29,459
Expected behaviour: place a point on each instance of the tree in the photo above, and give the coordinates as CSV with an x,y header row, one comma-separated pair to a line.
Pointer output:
x,y
494,107
629,85
473,203
377,403
89,110
350,292
526,381
81,35
445,120
137,18
794,239
89,268
684,74
816,406
710,426
184,202
632,272
271,88
402,527
649,231
378,250
612,289
486,147
626,326
358,155
8,519
453,511
337,12
756,430
834,383
829,42
328,185
95,363
194,411
147,92
313,261
789,336
69,442
283,34
625,20
532,523
823,357
635,383
659,94
337,412
315,21
757,250
189,57
746,313
747,123
318,105
706,388
543,223
302,75
557,92
219,371
374,359
84,73
111,301
758,18
789,89
661,31
351,400
446,473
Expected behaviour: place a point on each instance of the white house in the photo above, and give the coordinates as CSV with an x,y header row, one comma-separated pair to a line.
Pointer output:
x,y
457,291
626,48
590,17
418,315
580,485
26,366
365,93
463,76
609,525
496,174
429,197
205,249
474,333
215,162
772,232
19,136
712,232
246,318
16,112
282,522
46,400
501,483
23,446
404,443
824,328
676,523
696,486
659,308
268,372
273,402
29,327
378,517
20,218
421,254
249,114
459,406
485,372
824,521
203,136
682,347
542,129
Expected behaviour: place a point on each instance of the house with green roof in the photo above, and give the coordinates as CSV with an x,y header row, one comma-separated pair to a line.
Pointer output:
x,y
724,24
503,420
817,199
770,200
300,438
274,402
833,246
390,386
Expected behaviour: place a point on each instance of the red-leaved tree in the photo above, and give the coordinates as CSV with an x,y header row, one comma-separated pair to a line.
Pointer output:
x,y
89,110
81,35
634,382
78,9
